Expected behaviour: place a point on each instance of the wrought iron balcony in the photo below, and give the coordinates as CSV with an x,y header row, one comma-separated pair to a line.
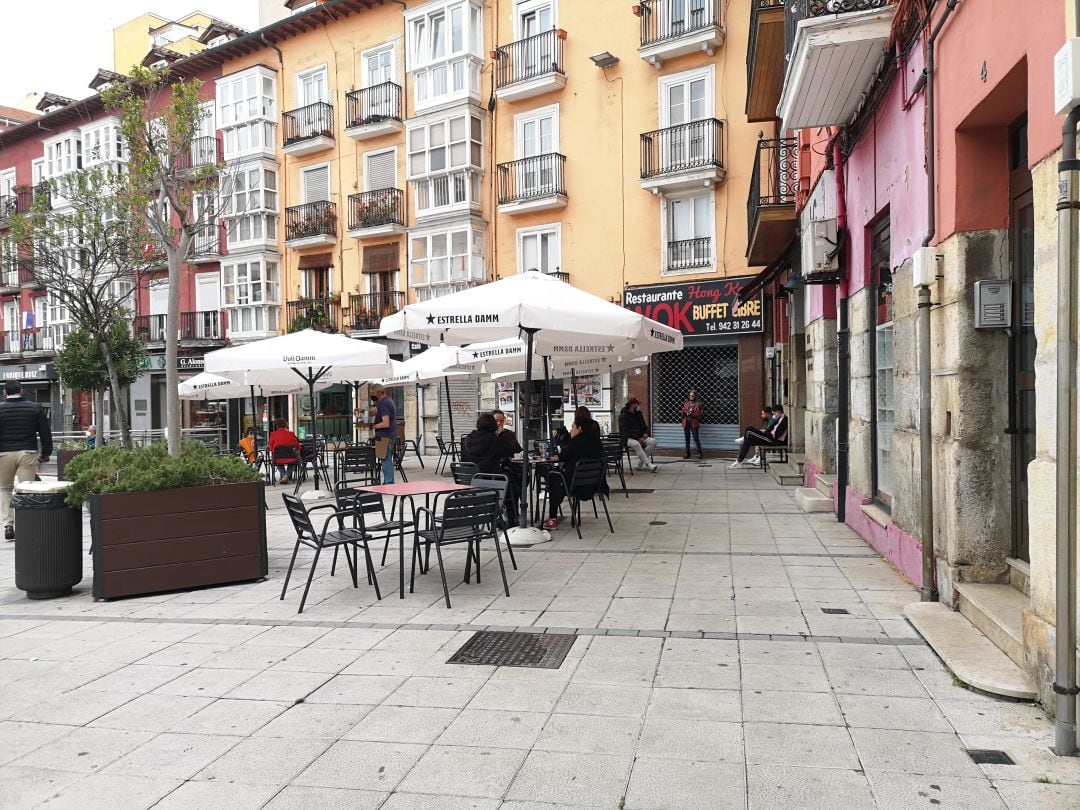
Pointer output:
x,y
672,28
27,277
308,129
770,207
311,223
9,278
206,151
207,325
765,59
35,341
532,184
322,313
683,156
149,328
367,309
10,344
559,274
21,200
377,212
206,245
373,111
685,254
530,66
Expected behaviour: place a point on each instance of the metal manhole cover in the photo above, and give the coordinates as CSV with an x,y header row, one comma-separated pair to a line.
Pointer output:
x,y
658,523
502,649
989,756
836,611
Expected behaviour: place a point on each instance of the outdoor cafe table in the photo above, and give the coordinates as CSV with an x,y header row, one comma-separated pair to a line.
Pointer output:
x,y
408,491
540,466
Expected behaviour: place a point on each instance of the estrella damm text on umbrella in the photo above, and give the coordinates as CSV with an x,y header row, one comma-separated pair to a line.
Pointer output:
x,y
452,320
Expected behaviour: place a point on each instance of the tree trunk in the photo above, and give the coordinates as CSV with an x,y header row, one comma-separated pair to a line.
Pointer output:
x,y
176,255
99,414
117,395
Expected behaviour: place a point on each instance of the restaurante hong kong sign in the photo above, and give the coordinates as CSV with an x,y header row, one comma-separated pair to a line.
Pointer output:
x,y
699,307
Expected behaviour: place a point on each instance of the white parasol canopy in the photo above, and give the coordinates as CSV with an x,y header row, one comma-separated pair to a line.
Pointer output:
x,y
431,364
213,386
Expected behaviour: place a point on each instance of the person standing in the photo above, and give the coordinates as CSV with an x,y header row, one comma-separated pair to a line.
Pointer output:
x,y
22,424
691,422
632,425
385,431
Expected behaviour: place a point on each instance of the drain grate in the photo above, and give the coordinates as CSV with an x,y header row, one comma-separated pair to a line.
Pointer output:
x,y
836,611
639,491
502,649
989,756
704,465
658,523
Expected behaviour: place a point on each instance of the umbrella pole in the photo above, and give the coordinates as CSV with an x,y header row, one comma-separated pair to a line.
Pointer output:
x,y
254,419
573,388
314,433
449,409
523,513
547,400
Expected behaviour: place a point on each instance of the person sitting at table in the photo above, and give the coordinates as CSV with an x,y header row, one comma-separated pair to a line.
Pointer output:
x,y
247,446
504,434
484,447
281,437
592,427
584,445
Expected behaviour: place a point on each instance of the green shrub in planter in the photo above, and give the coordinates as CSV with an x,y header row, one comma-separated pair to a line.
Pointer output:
x,y
150,468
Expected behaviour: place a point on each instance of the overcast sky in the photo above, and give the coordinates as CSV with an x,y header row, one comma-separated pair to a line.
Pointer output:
x,y
58,46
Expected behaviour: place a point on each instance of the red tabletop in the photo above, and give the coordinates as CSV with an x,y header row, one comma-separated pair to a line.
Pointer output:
x,y
403,490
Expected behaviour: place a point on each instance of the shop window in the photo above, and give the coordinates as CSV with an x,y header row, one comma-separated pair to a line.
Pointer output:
x,y
884,378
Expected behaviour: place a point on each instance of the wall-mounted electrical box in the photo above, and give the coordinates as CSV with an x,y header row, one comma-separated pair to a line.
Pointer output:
x,y
1067,77
925,267
820,247
770,352
993,304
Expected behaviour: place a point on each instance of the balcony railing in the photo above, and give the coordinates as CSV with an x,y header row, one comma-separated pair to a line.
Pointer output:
x,y
27,277
528,178
20,201
559,274
373,105
663,20
806,9
367,309
374,209
205,325
35,340
9,276
774,180
313,121
322,313
205,151
697,145
311,219
529,58
10,344
207,241
683,254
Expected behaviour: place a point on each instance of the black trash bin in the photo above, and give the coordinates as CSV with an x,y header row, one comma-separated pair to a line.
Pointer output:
x,y
48,544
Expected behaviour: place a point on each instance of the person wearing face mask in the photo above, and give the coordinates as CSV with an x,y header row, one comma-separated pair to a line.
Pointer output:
x,y
691,422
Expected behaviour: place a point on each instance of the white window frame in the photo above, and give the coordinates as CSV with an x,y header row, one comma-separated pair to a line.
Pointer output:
x,y
460,68
473,270
7,182
707,72
265,208
392,150
538,230
305,171
666,234
395,63
255,114
244,296
523,118
107,134
523,7
307,73
37,170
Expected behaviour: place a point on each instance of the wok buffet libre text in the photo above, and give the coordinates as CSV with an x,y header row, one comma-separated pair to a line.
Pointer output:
x,y
698,308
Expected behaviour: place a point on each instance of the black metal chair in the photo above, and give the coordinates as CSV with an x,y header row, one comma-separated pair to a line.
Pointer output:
x,y
588,476
468,517
501,484
613,459
370,514
358,464
399,460
326,538
463,471
413,446
624,443
287,456
447,454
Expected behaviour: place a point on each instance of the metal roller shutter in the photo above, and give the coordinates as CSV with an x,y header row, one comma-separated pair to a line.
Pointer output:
x,y
714,372
465,396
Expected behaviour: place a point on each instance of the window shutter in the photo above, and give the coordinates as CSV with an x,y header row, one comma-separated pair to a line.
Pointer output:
x,y
380,171
317,184
381,259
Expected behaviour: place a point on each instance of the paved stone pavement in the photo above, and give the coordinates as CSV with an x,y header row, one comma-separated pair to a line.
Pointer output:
x,y
730,652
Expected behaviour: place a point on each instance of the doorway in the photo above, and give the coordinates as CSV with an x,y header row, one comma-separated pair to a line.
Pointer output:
x,y
1022,341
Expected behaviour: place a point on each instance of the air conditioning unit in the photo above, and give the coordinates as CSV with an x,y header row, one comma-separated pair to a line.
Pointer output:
x,y
820,248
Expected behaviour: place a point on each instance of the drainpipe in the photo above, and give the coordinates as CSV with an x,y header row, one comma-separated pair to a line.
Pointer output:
x,y
928,592
1068,207
843,345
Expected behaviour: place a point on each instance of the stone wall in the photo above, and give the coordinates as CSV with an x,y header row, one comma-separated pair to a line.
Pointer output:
x,y
819,423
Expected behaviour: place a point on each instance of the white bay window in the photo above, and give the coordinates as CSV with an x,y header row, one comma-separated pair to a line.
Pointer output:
x,y
445,163
251,205
251,288
247,112
445,51
446,260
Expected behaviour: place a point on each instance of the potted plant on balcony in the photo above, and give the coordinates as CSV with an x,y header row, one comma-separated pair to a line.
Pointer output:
x,y
377,211
162,523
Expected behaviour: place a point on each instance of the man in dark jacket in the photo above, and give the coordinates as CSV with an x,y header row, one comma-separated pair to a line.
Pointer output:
x,y
632,426
22,423
484,448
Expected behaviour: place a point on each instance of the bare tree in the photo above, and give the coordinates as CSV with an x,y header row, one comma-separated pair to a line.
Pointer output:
x,y
87,251
176,189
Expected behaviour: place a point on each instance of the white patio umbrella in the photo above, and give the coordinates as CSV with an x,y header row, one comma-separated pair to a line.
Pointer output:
x,y
431,364
308,355
205,386
544,310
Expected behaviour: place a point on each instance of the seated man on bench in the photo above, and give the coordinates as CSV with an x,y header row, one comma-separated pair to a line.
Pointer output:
x,y
776,436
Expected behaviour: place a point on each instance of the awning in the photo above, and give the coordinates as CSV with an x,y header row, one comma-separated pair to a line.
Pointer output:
x,y
380,259
313,261
768,274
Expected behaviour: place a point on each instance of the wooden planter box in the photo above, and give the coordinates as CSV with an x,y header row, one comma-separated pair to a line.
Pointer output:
x,y
177,539
62,459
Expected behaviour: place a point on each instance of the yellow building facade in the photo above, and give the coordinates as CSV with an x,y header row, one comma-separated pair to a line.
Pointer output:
x,y
406,150
134,39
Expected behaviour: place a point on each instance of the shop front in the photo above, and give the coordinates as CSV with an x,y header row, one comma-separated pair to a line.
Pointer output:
x,y
722,359
41,384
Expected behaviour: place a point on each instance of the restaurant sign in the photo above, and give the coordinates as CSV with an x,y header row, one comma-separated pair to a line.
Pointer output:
x,y
700,307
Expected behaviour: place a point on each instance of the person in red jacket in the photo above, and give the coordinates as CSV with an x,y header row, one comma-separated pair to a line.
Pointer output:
x,y
282,437
691,422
